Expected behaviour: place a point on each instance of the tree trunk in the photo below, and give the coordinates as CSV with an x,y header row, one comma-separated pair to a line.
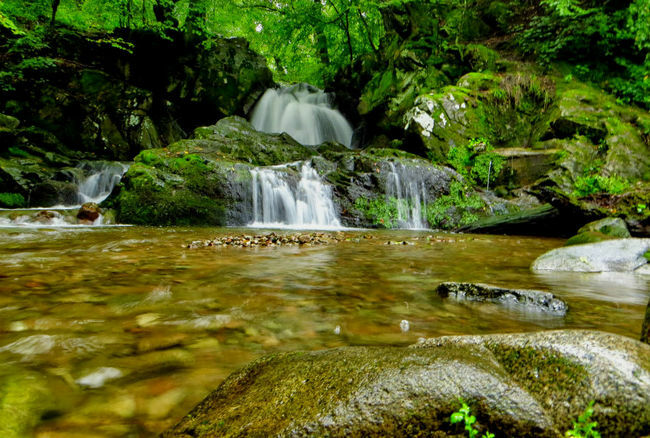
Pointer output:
x,y
55,7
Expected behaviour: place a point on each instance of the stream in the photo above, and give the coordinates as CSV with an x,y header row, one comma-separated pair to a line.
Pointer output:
x,y
130,329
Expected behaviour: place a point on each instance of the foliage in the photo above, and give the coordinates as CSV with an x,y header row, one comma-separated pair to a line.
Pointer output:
x,y
464,415
454,209
382,212
587,185
584,428
476,161
12,200
603,42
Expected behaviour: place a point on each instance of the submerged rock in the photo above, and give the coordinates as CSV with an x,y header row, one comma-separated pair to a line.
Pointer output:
x,y
24,398
534,300
269,240
620,255
517,385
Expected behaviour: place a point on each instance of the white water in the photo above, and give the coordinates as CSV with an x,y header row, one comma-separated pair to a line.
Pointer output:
x,y
279,202
304,112
409,189
98,185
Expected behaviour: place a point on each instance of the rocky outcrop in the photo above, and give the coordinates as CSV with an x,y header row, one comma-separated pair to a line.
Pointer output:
x,y
620,255
517,385
523,299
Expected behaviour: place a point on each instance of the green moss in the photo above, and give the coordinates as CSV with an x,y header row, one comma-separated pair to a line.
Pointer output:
x,y
587,237
647,255
387,153
381,212
455,209
12,200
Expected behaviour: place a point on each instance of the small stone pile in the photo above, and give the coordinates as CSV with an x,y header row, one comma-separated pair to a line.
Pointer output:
x,y
270,240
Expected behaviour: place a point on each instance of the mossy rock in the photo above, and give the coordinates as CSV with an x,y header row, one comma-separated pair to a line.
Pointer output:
x,y
532,384
8,122
611,226
24,398
587,237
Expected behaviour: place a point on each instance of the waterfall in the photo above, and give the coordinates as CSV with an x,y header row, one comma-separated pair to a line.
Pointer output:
x,y
304,112
408,187
100,181
279,201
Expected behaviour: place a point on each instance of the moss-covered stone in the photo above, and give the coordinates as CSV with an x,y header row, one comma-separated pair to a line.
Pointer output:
x,y
24,398
517,385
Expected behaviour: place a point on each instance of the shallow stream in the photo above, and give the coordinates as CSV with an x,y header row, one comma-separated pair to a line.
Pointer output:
x,y
129,329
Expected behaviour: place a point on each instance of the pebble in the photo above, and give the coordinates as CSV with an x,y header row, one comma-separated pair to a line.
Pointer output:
x,y
270,240
404,326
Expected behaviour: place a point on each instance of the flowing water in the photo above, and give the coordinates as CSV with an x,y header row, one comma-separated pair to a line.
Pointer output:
x,y
283,200
100,180
129,329
304,112
409,189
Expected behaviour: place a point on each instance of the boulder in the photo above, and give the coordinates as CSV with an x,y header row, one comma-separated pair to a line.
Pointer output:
x,y
531,300
597,231
620,255
8,122
24,398
531,384
89,212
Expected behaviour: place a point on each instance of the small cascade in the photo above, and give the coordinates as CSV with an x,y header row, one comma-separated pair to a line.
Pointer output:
x,y
101,180
280,200
408,187
304,112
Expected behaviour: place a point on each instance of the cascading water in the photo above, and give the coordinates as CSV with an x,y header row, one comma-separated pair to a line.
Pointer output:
x,y
100,182
304,112
280,201
408,187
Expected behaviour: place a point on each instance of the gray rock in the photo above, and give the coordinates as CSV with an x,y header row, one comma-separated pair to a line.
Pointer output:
x,y
526,299
517,385
620,255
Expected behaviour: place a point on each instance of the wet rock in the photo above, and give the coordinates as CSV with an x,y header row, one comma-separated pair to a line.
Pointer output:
x,y
517,385
620,255
89,212
47,216
645,330
533,300
24,398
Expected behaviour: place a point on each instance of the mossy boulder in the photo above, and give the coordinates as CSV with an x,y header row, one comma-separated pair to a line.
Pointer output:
x,y
531,384
8,122
202,181
24,398
597,231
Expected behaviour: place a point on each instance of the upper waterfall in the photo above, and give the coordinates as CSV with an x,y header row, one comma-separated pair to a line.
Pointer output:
x,y
101,178
304,112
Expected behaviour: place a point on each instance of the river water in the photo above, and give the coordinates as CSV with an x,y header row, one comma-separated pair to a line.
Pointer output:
x,y
129,329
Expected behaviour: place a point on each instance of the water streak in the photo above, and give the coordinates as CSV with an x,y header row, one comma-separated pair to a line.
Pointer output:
x,y
281,201
304,112
103,177
408,187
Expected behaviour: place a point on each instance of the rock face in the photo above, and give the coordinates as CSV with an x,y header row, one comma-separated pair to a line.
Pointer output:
x,y
517,385
533,300
621,255
110,96
207,179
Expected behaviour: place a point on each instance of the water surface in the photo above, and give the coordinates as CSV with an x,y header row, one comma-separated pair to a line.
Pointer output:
x,y
130,329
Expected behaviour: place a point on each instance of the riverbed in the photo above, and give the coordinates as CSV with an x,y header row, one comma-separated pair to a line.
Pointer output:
x,y
129,329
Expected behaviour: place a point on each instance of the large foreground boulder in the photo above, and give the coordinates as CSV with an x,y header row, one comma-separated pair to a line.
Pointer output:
x,y
517,385
620,255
